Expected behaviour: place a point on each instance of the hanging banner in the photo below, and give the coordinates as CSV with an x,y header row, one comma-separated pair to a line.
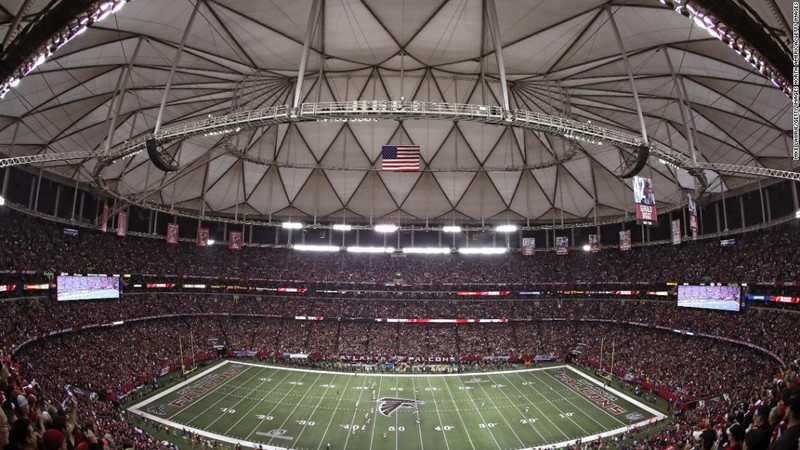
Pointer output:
x,y
104,218
625,240
693,228
122,223
172,233
528,246
594,243
645,198
235,240
202,237
676,232
562,245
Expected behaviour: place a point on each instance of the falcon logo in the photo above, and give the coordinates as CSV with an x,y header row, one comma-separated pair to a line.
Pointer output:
x,y
388,405
157,410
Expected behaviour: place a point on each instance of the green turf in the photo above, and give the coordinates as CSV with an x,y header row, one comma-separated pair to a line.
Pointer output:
x,y
305,409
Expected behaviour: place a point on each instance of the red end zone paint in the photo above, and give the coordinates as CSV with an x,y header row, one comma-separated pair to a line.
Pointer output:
x,y
204,388
592,395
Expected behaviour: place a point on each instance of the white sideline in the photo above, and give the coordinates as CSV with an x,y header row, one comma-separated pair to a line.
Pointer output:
x,y
137,408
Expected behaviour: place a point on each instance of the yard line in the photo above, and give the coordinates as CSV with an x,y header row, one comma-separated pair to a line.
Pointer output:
x,y
546,417
466,430
316,408
500,412
397,417
355,411
221,398
350,377
260,401
479,414
511,401
439,415
592,403
278,403
311,386
561,411
241,399
375,416
416,415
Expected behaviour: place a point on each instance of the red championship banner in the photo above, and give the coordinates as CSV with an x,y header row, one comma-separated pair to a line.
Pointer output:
x,y
676,232
172,233
104,218
562,245
122,223
202,237
235,240
528,246
594,243
625,240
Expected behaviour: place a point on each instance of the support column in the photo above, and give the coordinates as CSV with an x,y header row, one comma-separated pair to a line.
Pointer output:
x,y
175,62
313,19
80,208
686,230
630,73
494,28
741,210
716,211
58,198
724,211
38,188
769,208
6,176
74,201
763,206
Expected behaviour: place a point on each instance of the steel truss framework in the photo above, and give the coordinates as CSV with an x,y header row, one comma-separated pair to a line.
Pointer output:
x,y
394,110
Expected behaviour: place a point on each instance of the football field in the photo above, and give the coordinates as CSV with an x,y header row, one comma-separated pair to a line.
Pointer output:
x,y
289,408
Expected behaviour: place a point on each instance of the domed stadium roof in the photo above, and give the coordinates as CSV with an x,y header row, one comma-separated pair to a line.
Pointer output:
x,y
561,58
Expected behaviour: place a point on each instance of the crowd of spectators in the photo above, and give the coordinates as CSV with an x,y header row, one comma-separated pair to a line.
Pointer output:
x,y
159,327
27,243
104,359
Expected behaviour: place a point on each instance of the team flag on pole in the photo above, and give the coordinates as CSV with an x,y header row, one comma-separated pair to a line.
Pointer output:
x,y
400,158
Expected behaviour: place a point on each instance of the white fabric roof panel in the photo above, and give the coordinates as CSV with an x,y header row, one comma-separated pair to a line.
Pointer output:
x,y
561,58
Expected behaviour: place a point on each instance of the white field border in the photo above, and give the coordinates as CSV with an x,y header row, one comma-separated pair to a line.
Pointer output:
x,y
137,408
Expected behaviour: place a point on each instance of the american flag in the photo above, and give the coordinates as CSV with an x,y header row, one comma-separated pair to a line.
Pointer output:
x,y
400,158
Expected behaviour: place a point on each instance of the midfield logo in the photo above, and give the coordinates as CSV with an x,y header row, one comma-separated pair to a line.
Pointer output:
x,y
388,405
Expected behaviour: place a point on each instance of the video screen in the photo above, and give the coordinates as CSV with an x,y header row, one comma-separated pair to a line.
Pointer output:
x,y
86,288
725,298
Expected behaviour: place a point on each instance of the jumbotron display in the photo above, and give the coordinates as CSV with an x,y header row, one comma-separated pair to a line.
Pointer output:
x,y
725,298
88,287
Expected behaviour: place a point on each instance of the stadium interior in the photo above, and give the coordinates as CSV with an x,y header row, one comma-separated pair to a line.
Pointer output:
x,y
450,192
